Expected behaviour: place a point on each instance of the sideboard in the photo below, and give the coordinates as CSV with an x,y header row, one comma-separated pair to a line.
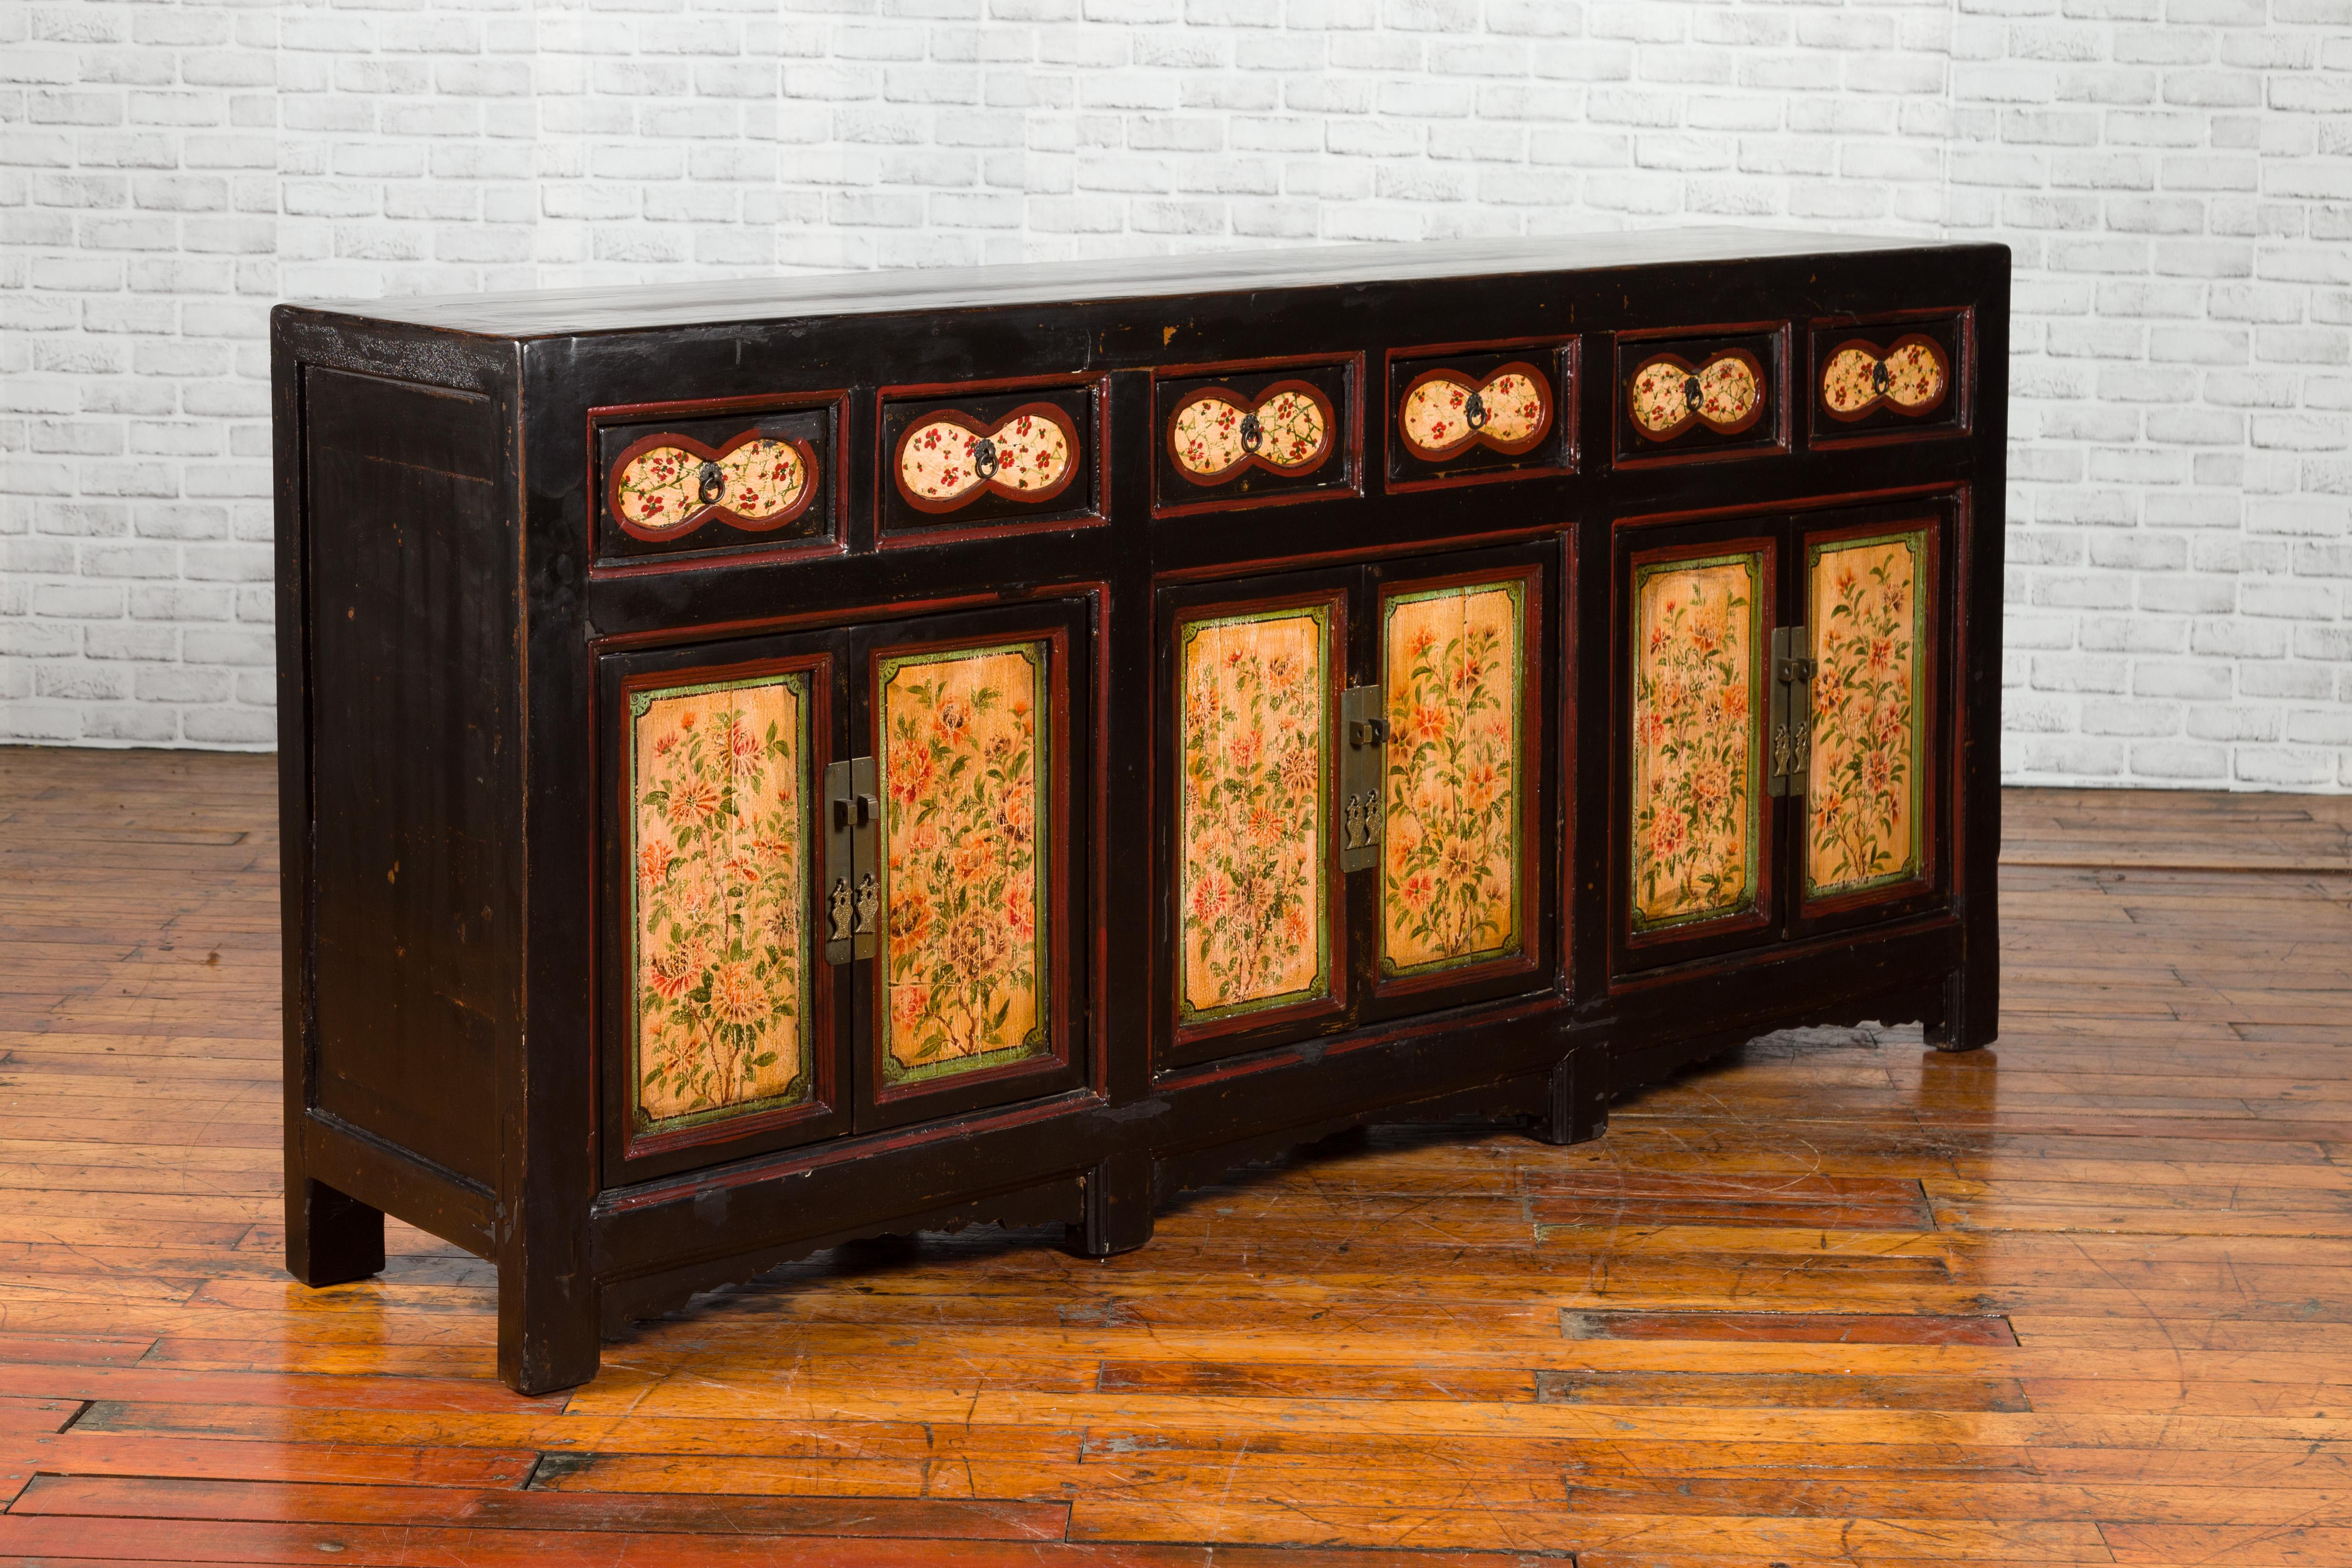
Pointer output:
x,y
772,762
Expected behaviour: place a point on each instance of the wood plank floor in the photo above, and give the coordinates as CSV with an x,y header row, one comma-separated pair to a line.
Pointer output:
x,y
2086,1298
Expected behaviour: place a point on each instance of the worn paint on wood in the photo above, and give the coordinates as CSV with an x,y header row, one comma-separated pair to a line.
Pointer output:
x,y
720,804
1254,829
1697,682
1451,870
965,755
1864,811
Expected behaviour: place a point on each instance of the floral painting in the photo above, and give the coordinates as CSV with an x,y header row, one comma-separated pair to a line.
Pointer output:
x,y
661,488
1254,803
1697,671
1912,369
1208,440
718,807
1863,789
939,461
1450,877
1435,415
1658,394
963,762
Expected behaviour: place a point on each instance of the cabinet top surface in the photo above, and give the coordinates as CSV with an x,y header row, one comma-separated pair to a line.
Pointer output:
x,y
565,311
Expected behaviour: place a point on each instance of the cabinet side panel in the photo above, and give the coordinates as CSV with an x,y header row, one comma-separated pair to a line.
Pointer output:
x,y
413,679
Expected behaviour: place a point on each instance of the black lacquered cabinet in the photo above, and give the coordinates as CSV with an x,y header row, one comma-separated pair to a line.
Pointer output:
x,y
782,762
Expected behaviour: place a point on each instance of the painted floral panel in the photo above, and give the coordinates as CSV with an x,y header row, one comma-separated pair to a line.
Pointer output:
x,y
1292,428
718,793
1915,373
1697,673
1863,789
1436,412
1253,804
1450,868
1849,382
1659,395
662,487
935,462
964,760
1915,377
1728,391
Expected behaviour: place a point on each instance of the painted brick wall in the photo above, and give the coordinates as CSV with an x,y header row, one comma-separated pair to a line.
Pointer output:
x,y
2175,177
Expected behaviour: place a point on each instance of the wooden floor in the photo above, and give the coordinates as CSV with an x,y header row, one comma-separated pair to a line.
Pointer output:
x,y
2086,1298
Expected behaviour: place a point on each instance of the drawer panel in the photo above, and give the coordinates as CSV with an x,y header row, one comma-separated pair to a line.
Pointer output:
x,y
1893,379
1256,434
1706,393
697,480
1463,414
971,462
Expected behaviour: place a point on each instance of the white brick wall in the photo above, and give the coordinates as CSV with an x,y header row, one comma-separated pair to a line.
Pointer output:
x,y
2175,175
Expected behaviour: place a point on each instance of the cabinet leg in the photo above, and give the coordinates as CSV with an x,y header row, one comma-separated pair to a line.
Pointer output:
x,y
549,1333
1117,1207
1965,1026
1577,1106
331,1238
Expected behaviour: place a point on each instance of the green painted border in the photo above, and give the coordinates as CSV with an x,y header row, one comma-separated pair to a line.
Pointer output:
x,y
1756,741
1320,986
1038,1041
1516,587
796,1091
1916,539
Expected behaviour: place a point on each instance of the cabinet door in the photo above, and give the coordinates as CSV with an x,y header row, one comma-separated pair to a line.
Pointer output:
x,y
1253,937
1462,648
1875,618
974,995
1693,851
722,1033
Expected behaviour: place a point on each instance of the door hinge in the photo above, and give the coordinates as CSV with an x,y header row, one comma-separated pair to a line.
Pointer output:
x,y
1791,711
1363,772
853,889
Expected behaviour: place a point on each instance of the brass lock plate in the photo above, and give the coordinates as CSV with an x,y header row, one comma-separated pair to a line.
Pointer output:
x,y
851,907
1363,770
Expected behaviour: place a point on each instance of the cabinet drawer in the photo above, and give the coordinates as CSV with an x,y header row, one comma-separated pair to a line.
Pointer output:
x,y
1472,413
688,482
1701,393
1898,378
976,461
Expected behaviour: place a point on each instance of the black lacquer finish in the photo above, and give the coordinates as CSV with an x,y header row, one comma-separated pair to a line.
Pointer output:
x,y
461,620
